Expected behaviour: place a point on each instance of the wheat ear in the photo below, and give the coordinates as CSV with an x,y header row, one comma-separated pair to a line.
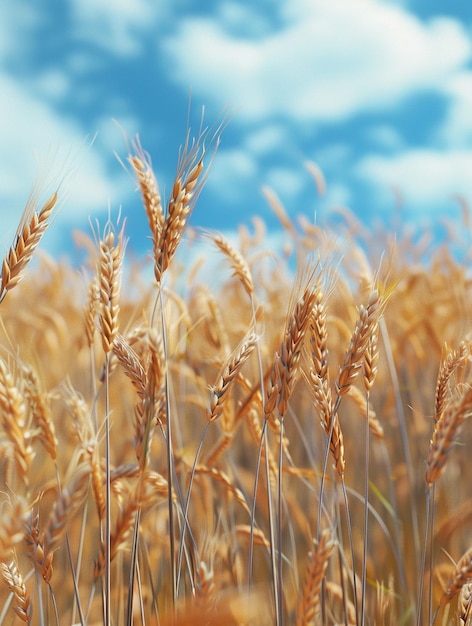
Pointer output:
x,y
445,431
150,410
464,605
238,263
131,364
451,363
126,518
371,358
41,557
97,479
318,381
187,185
14,580
66,506
308,602
12,530
355,354
142,168
13,418
461,575
90,312
41,410
360,400
109,272
28,236
227,375
285,367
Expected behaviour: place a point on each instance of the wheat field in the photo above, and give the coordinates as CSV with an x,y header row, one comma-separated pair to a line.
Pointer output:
x,y
279,439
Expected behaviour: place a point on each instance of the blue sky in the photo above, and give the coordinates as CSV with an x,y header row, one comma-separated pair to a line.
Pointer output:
x,y
378,94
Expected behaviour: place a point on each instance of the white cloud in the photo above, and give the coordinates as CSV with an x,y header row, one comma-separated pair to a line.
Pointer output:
x,y
385,137
266,139
236,17
427,178
457,128
230,173
34,134
286,182
39,140
328,61
116,25
16,25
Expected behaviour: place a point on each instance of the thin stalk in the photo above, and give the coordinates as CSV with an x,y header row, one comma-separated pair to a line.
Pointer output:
x,y
169,461
342,564
54,605
366,510
271,526
279,524
77,603
351,546
133,568
403,434
259,455
419,619
252,521
430,495
187,502
107,496
40,597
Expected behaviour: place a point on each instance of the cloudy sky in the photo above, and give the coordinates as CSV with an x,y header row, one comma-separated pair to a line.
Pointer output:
x,y
377,93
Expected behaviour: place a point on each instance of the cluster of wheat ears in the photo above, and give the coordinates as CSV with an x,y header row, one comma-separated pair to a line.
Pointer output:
x,y
280,446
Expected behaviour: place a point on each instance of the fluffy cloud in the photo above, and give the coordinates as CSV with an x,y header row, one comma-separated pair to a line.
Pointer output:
x,y
427,178
115,25
457,128
326,61
34,136
231,172
40,140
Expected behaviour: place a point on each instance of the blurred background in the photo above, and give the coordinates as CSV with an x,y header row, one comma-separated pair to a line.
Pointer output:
x,y
377,93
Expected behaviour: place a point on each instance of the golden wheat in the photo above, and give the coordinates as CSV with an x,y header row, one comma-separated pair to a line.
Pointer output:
x,y
445,431
32,227
74,513
309,600
11,575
